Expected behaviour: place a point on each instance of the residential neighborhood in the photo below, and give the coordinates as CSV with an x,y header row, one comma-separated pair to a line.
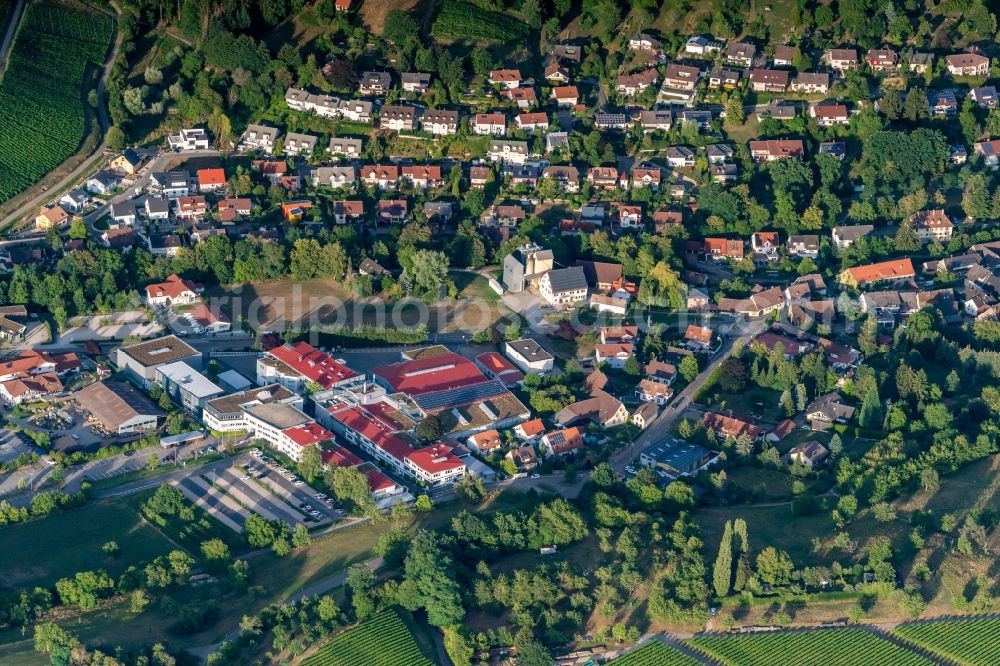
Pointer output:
x,y
542,333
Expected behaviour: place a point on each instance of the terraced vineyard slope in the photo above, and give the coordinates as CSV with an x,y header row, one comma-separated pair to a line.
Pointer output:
x,y
42,121
843,647
384,640
655,654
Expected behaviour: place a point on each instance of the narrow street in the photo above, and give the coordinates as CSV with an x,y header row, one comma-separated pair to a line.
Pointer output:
x,y
661,426
8,38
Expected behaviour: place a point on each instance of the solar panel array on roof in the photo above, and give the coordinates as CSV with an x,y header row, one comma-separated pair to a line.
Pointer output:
x,y
460,396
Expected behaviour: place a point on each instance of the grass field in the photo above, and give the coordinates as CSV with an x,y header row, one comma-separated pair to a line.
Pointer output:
x,y
384,640
372,12
278,578
759,403
770,484
845,647
655,654
42,551
966,642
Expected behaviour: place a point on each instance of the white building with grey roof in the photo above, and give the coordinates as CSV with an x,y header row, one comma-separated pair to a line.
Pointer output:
x,y
564,287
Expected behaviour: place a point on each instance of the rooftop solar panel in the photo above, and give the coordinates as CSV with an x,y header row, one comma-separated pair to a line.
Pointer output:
x,y
460,396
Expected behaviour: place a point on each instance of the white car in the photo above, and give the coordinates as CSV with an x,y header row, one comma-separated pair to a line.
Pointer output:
x,y
536,476
245,477
297,482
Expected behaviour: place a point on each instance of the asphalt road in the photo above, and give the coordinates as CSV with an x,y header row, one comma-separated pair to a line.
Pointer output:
x,y
661,426
8,38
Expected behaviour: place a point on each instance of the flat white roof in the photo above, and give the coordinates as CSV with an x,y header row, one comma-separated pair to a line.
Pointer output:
x,y
235,380
189,379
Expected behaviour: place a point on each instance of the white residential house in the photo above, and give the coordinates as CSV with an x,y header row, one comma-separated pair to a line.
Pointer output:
x,y
171,184
439,122
194,138
156,209
74,201
564,286
123,213
300,144
102,182
844,237
507,151
493,124
259,137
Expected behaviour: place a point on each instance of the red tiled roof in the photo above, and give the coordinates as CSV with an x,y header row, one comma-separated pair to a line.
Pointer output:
x,y
437,458
783,429
338,456
273,168
491,119
886,270
45,382
487,440
698,334
565,92
172,287
306,434
505,75
532,427
313,364
422,172
501,368
567,439
211,177
830,110
724,246
426,375
730,426
515,94
770,340
769,76
778,147
380,172
371,426
202,314
378,481
533,119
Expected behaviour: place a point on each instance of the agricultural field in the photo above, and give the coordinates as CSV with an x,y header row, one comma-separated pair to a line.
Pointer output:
x,y
654,654
384,640
462,20
845,647
966,642
42,96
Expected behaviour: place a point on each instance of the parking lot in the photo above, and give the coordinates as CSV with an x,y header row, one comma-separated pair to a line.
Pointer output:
x,y
12,445
248,485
